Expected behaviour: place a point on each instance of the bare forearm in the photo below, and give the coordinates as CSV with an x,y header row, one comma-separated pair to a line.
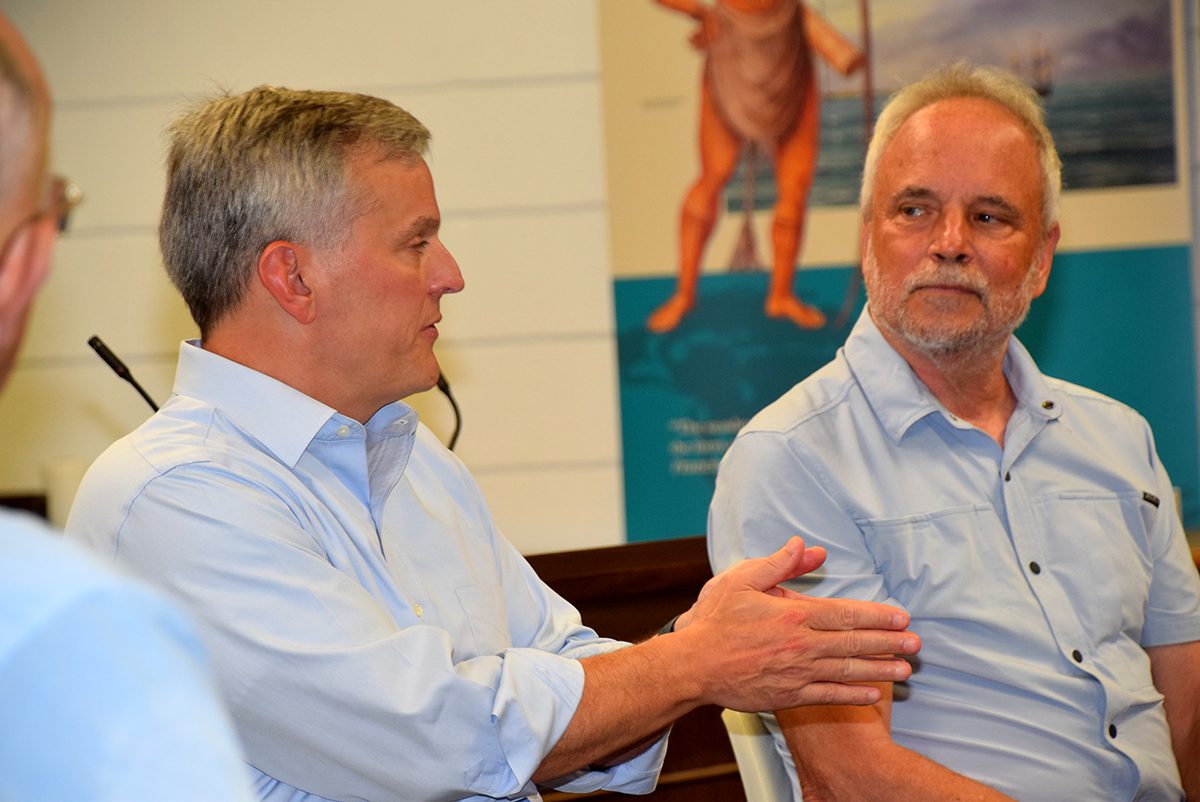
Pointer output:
x,y
1184,721
629,698
896,774
846,754
1173,667
1187,755
744,644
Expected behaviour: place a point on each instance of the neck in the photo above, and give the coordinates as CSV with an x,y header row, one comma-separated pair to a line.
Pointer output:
x,y
260,338
970,384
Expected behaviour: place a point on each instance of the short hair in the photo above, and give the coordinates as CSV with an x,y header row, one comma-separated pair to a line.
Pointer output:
x,y
966,80
18,127
268,164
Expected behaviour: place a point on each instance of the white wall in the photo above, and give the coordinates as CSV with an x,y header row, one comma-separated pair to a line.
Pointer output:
x,y
511,92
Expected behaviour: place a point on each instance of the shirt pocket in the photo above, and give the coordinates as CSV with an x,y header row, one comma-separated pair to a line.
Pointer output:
x,y
940,564
1097,545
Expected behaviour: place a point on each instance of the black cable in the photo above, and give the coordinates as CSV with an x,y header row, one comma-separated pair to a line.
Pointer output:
x,y
444,386
118,367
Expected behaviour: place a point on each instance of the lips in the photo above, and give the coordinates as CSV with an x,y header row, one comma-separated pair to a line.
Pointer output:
x,y
957,288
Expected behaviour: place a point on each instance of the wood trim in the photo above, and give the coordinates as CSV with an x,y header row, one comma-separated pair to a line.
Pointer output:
x,y
33,503
628,592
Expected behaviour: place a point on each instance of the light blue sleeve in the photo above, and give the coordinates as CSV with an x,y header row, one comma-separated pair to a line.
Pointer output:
x,y
1173,607
767,491
109,698
556,629
327,687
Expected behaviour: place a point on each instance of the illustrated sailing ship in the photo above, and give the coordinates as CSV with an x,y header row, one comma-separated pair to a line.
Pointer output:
x,y
1038,70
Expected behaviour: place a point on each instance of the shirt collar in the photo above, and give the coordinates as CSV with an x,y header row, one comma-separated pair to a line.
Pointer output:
x,y
899,399
280,417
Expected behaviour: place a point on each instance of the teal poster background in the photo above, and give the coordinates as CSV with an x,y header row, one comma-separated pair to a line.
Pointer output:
x,y
1117,321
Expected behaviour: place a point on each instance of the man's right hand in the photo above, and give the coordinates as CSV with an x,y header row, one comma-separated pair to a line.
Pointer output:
x,y
747,644
756,646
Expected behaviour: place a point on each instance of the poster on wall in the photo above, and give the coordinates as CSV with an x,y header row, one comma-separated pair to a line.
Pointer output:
x,y
735,140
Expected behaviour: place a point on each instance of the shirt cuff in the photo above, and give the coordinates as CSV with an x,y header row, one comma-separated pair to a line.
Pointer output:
x,y
638,775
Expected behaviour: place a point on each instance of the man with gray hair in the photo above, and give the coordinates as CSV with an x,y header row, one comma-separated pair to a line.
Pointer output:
x,y
375,636
105,691
1025,523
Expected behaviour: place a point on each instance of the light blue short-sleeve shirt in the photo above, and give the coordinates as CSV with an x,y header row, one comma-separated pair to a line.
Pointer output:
x,y
1036,574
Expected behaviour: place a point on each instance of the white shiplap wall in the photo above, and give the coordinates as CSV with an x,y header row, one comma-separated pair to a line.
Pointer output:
x,y
511,92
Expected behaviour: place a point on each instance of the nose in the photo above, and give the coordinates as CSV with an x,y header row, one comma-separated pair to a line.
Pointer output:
x,y
951,238
445,277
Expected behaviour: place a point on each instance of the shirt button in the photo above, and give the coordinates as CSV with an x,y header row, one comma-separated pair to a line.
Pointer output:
x,y
342,431
1007,476
1078,655
1047,405
1033,566
1112,730
417,609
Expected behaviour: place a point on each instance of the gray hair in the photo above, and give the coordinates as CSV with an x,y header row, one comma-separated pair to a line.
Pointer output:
x,y
965,80
18,128
268,164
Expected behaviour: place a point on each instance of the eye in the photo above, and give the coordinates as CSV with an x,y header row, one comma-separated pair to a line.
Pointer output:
x,y
909,210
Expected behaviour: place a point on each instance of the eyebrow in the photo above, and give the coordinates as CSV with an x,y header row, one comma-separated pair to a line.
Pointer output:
x,y
423,225
912,193
1000,203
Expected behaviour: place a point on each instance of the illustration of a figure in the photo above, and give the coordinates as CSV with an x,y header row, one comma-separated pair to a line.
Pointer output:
x,y
759,88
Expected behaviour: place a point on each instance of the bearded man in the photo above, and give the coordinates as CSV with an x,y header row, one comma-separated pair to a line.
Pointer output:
x,y
1024,523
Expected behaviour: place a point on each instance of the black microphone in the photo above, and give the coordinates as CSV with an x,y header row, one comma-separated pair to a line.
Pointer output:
x,y
444,386
119,368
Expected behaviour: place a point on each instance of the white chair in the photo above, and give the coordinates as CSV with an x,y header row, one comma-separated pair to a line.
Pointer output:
x,y
764,777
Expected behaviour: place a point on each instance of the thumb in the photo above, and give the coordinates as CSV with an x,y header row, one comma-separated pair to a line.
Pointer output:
x,y
790,561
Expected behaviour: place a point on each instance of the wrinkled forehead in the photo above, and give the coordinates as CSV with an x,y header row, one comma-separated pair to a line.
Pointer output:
x,y
967,145
966,121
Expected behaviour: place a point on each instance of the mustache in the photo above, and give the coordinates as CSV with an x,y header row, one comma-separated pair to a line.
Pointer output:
x,y
957,278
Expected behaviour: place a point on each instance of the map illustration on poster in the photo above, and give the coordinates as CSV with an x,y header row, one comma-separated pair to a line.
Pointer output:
x,y
703,242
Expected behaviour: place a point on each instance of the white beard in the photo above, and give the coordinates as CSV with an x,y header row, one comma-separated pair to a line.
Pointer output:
x,y
936,338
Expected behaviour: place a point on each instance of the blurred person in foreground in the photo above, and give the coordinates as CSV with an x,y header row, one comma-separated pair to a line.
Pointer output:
x,y
105,691
375,635
1026,524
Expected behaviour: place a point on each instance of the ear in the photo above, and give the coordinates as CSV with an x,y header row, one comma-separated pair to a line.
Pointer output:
x,y
1045,258
25,268
280,272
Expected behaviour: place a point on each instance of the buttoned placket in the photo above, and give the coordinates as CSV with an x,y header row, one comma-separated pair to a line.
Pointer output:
x,y
1017,518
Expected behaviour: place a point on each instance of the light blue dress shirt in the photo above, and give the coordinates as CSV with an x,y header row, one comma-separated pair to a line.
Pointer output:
x,y
1035,573
105,693
374,635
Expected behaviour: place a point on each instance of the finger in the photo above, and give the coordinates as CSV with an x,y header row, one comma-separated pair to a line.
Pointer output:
x,y
872,668
764,573
860,642
849,613
834,693
814,558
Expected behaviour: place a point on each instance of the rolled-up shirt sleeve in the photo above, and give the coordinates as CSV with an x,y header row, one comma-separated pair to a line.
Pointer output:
x,y
344,691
